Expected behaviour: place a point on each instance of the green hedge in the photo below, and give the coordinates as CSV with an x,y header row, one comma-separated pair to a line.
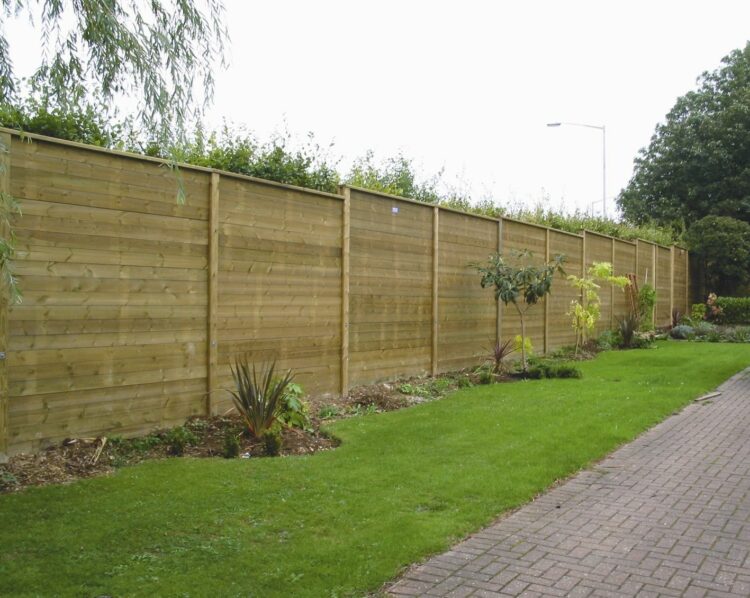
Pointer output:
x,y
734,310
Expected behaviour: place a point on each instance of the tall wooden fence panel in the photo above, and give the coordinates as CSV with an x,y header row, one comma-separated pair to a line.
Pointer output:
x,y
279,283
681,284
645,262
624,263
135,306
599,249
560,331
663,286
111,333
467,313
390,288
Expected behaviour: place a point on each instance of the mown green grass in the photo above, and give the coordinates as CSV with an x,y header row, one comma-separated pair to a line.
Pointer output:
x,y
403,485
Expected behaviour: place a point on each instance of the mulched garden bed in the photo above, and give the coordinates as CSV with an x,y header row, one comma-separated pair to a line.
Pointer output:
x,y
78,458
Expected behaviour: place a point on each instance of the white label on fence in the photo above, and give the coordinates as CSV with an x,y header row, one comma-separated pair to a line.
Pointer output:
x,y
394,210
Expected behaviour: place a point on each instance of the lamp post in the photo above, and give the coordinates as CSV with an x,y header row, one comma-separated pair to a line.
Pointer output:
x,y
603,129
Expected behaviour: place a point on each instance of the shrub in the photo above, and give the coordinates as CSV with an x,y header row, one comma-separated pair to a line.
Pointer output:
x,y
500,352
231,448
697,312
272,442
293,411
733,310
608,340
627,326
682,332
486,377
741,334
179,438
552,369
258,398
464,382
703,329
585,313
646,303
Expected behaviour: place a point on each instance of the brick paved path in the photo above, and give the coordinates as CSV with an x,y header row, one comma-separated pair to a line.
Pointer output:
x,y
667,515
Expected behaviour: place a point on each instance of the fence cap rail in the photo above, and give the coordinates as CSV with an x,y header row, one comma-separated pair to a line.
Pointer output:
x,y
654,243
456,210
164,162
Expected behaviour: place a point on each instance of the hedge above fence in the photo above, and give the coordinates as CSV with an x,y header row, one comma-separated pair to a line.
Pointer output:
x,y
734,310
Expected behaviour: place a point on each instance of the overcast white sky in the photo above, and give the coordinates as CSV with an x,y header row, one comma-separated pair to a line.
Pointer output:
x,y
470,85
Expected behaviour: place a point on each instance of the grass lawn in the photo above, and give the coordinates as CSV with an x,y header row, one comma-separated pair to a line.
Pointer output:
x,y
403,485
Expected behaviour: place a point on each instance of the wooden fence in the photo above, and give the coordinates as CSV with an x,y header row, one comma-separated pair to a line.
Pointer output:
x,y
134,306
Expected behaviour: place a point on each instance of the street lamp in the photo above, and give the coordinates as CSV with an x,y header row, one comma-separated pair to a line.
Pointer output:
x,y
603,129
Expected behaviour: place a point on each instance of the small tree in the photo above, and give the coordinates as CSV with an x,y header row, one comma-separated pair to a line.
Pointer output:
x,y
585,312
518,282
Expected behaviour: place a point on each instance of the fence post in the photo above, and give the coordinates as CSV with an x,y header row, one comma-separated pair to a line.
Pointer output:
x,y
499,320
612,289
435,275
671,282
213,289
5,144
653,283
345,243
546,297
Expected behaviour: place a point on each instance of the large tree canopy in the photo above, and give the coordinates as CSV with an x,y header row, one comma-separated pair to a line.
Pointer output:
x,y
698,161
722,247
159,54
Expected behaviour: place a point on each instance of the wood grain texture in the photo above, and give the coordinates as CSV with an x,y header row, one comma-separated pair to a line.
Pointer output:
x,y
663,286
213,291
346,236
114,274
5,174
391,280
280,283
467,312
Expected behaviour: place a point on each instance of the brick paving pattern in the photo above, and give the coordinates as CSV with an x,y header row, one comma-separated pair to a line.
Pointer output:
x,y
667,515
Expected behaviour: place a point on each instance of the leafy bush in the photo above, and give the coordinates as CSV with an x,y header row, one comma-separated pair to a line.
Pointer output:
x,y
704,329
721,245
293,411
682,332
231,448
464,382
272,442
697,312
177,439
646,303
585,313
258,398
608,340
733,310
741,334
486,377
